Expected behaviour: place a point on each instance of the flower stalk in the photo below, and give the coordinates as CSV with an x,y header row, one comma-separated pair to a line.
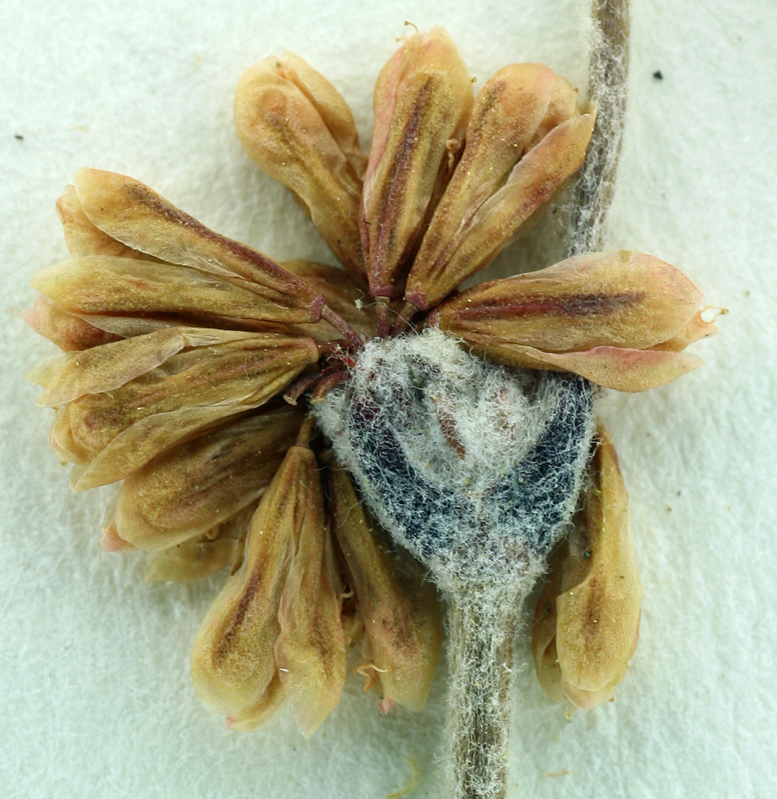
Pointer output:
x,y
480,651
481,635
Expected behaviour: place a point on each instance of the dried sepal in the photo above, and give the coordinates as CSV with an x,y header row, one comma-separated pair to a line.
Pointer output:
x,y
298,129
599,315
221,547
311,650
524,139
422,100
133,214
112,434
233,662
192,488
587,620
399,609
68,331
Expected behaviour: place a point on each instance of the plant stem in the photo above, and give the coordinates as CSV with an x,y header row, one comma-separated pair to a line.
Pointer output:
x,y
609,70
482,625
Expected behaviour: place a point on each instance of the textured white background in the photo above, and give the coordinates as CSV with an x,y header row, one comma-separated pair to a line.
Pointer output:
x,y
95,697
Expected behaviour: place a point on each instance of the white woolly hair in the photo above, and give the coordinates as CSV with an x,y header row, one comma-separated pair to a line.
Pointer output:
x,y
476,469
472,467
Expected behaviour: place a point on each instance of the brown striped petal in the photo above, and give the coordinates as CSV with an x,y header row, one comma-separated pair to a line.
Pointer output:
x,y
506,116
587,620
498,219
133,214
233,663
111,365
615,299
114,288
113,434
422,100
195,486
311,651
298,129
399,608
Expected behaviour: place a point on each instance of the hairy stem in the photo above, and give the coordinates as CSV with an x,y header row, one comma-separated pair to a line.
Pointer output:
x,y
609,69
482,625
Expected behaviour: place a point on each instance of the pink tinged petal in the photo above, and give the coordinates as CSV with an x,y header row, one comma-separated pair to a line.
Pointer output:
x,y
68,331
616,299
422,100
612,367
562,105
196,486
132,213
531,184
698,328
115,433
233,663
505,116
310,651
297,128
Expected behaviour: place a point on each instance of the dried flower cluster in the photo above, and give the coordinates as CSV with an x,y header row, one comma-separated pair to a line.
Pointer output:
x,y
180,346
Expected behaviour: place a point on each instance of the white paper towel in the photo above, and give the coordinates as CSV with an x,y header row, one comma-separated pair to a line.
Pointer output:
x,y
94,684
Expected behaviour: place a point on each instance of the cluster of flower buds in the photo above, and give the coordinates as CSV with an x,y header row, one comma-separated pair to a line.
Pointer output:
x,y
179,346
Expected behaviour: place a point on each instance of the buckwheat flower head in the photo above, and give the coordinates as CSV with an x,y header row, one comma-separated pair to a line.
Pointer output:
x,y
294,423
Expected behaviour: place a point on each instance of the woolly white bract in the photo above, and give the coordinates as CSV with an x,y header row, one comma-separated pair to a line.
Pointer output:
x,y
473,467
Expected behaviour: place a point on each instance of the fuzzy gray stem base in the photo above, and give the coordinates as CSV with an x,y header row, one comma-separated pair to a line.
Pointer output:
x,y
482,626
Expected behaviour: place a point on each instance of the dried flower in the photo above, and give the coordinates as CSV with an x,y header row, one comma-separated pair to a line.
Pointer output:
x,y
587,620
180,345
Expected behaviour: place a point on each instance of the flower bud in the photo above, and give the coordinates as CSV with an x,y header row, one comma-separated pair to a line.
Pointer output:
x,y
422,100
311,649
510,166
130,296
400,610
587,620
298,129
133,214
233,662
196,486
114,433
599,315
